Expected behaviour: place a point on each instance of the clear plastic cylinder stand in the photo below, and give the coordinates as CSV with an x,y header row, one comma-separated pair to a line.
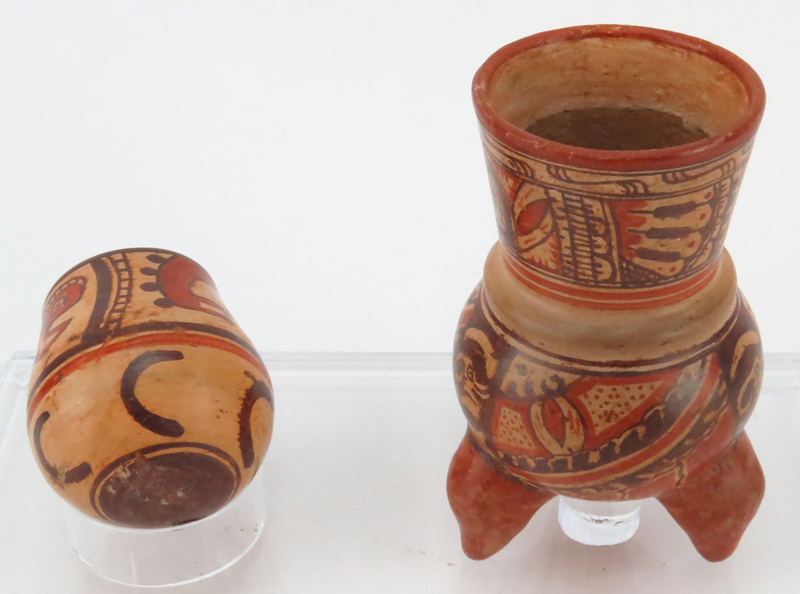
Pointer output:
x,y
598,523
170,556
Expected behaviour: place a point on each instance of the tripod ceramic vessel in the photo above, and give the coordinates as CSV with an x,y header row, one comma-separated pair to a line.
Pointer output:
x,y
608,353
148,406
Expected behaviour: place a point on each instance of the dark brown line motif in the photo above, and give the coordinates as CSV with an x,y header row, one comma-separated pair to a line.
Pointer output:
x,y
121,266
112,359
75,475
103,281
259,390
147,419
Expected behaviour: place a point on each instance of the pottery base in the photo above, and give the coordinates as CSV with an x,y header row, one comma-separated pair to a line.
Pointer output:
x,y
170,556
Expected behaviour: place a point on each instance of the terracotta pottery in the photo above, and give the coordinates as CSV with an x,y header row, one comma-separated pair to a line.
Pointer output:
x,y
608,354
148,405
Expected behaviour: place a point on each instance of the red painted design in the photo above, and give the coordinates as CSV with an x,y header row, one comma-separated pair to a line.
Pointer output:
x,y
59,302
554,421
612,405
531,217
512,430
627,214
181,278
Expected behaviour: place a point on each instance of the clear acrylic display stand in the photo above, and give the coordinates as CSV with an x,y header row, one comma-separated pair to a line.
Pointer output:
x,y
170,556
357,503
598,523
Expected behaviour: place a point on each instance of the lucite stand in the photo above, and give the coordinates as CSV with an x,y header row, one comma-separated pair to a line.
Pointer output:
x,y
598,523
170,556
356,499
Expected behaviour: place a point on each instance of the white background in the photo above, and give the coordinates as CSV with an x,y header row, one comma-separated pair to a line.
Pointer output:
x,y
321,159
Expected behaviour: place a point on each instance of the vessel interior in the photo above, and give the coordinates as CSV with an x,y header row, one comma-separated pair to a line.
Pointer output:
x,y
601,74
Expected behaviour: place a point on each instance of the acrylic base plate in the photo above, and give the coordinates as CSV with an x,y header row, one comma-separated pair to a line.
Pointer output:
x,y
356,499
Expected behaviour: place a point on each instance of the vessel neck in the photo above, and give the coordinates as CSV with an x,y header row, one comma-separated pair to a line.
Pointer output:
x,y
612,240
607,333
608,298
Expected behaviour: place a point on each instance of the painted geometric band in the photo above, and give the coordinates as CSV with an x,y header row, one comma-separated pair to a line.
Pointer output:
x,y
637,460
607,299
98,338
136,341
586,236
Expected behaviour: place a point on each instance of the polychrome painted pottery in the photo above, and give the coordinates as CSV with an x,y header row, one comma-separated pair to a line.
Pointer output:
x,y
148,405
608,353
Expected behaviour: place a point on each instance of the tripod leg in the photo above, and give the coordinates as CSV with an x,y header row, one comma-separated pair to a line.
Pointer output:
x,y
490,509
715,507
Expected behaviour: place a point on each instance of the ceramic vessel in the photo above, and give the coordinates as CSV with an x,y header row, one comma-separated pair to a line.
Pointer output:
x,y
148,405
608,353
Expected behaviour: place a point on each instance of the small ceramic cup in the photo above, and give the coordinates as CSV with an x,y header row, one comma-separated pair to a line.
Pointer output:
x,y
148,405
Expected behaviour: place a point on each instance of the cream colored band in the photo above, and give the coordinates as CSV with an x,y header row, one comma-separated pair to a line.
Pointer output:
x,y
605,335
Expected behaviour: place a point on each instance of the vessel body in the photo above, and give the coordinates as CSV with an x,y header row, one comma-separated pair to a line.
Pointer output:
x,y
148,406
